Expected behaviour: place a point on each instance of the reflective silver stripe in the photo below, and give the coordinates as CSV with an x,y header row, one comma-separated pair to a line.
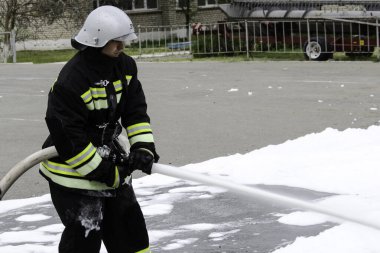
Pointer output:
x,y
138,128
60,168
118,96
83,156
91,165
118,86
98,92
141,138
77,183
86,96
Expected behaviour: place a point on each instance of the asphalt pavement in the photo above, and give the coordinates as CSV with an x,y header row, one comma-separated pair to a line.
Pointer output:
x,y
202,110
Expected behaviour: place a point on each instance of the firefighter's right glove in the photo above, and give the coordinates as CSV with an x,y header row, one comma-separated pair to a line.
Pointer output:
x,y
112,155
124,172
120,161
141,159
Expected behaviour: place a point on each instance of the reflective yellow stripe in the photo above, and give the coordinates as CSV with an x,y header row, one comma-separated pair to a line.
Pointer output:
x,y
141,138
77,183
138,128
117,178
91,165
82,156
98,92
90,106
118,86
100,104
128,77
147,250
60,168
100,101
86,96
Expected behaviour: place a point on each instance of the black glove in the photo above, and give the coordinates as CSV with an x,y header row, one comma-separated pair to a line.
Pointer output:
x,y
124,172
141,159
117,158
113,155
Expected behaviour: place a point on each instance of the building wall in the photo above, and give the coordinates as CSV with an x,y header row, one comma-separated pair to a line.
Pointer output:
x,y
157,18
58,30
166,15
151,18
203,15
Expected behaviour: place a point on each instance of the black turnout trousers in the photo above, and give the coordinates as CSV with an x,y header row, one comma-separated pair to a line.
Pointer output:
x,y
88,220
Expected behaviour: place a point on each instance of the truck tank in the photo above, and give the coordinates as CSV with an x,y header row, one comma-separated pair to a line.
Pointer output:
x,y
297,9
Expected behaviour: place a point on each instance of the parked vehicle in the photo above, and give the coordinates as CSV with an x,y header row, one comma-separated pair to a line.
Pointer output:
x,y
317,39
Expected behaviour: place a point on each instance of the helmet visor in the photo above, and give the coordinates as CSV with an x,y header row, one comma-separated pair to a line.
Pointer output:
x,y
127,37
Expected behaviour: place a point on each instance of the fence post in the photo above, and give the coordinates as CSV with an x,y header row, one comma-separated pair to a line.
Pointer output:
x,y
190,42
308,38
13,43
140,49
246,38
171,39
377,39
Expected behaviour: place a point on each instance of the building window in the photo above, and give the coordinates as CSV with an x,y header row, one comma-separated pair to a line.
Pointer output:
x,y
207,2
141,4
201,3
182,3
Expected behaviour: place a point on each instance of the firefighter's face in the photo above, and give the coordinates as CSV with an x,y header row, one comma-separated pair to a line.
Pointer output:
x,y
113,48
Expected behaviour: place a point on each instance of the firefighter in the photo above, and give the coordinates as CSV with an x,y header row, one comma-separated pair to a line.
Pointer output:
x,y
96,95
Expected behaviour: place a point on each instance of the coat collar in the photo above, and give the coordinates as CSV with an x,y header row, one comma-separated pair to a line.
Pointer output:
x,y
98,61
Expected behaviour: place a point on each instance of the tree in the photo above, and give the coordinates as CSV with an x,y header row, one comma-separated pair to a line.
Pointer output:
x,y
24,14
188,9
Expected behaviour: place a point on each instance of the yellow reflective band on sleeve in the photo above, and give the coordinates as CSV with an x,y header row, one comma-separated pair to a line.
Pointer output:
x,y
138,129
91,165
128,77
77,183
86,96
147,250
117,178
118,86
141,138
83,156
60,168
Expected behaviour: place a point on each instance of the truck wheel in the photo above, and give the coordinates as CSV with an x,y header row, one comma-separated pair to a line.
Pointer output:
x,y
315,50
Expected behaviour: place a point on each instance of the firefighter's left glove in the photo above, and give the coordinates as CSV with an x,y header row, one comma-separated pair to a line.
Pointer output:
x,y
141,159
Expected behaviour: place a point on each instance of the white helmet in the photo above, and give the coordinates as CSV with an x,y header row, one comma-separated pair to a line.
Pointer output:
x,y
104,24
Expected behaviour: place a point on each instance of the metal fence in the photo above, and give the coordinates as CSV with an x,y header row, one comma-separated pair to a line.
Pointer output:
x,y
163,40
316,39
7,47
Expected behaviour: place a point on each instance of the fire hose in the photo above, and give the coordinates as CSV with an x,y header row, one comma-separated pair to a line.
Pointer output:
x,y
248,191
